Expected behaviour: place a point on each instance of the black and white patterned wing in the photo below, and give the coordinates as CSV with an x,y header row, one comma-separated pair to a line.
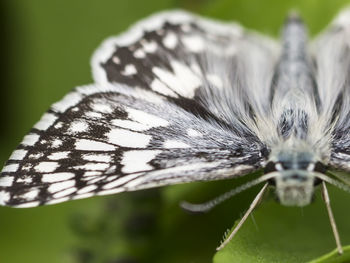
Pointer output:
x,y
204,66
99,141
175,100
332,54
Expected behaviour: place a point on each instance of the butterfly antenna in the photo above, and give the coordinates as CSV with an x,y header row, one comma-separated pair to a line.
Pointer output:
x,y
341,177
334,182
327,201
252,206
207,206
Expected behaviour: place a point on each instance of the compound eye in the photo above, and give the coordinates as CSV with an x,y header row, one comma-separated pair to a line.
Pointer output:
x,y
320,167
317,181
272,181
270,167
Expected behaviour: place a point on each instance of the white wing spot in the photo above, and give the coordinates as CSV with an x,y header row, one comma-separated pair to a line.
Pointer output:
x,y
56,143
25,180
104,108
31,195
56,177
46,167
35,155
126,138
170,40
92,114
10,168
139,54
53,188
30,139
87,189
75,109
45,122
129,70
137,161
92,174
6,181
18,155
56,201
65,192
145,118
149,47
89,145
116,60
58,155
193,43
4,197
59,125
93,166
175,144
78,126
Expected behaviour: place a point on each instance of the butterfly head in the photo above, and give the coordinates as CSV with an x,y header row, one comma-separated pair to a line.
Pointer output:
x,y
296,177
295,187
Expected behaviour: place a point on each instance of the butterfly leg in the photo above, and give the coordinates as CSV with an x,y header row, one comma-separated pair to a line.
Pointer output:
x,y
252,206
327,201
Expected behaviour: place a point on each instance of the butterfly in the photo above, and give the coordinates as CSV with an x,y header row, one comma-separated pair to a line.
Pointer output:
x,y
180,98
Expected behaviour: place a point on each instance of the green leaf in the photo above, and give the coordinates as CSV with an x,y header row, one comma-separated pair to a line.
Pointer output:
x,y
333,257
289,234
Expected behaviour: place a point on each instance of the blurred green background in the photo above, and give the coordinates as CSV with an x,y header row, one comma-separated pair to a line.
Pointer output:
x,y
45,52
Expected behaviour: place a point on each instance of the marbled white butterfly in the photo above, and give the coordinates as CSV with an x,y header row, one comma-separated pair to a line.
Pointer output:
x,y
180,98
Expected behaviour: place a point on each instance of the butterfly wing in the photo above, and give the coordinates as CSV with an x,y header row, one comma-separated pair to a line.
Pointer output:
x,y
209,68
332,58
100,141
173,103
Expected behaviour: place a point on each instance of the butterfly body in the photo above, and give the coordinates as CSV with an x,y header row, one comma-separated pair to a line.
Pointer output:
x,y
294,104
